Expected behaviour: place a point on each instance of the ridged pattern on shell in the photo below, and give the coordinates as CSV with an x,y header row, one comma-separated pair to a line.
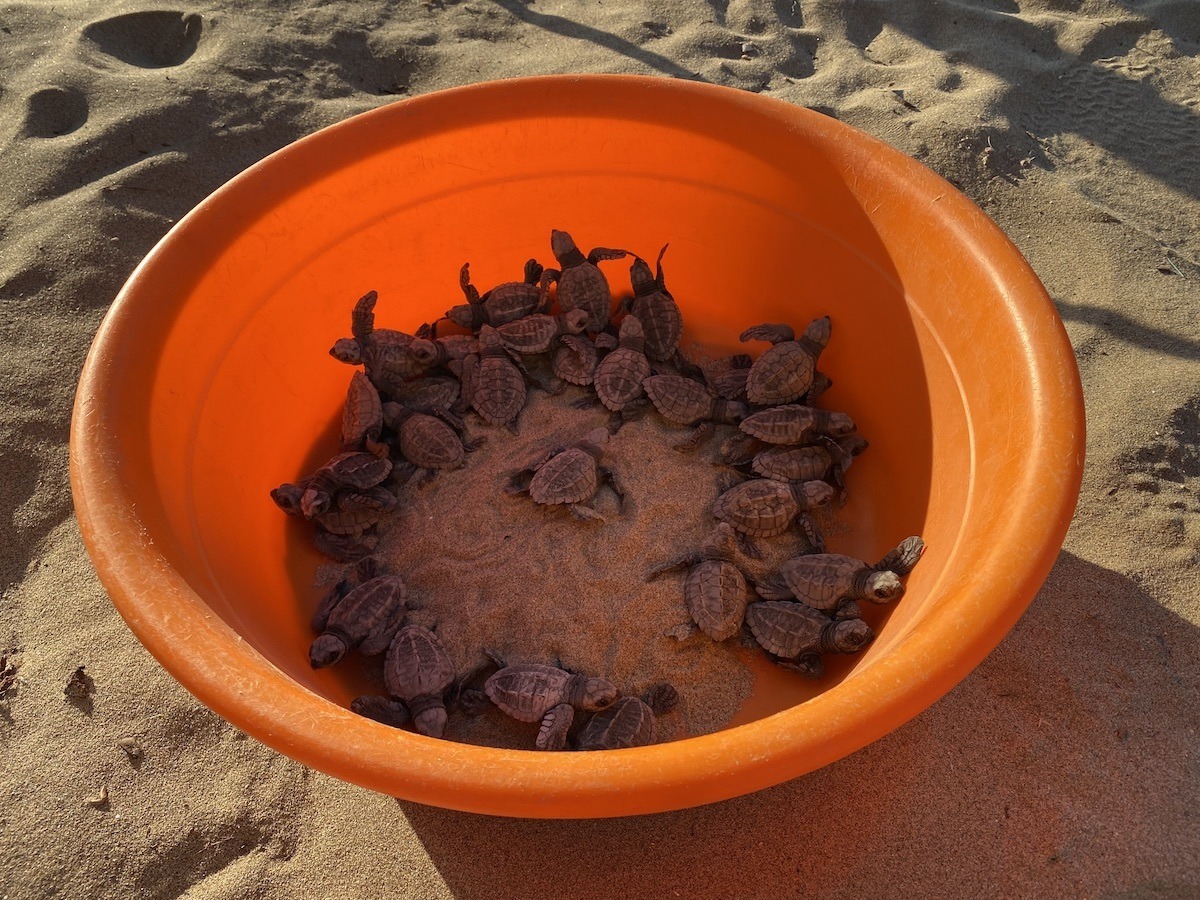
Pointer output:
x,y
357,470
585,287
662,323
780,375
679,399
532,334
822,579
387,360
436,392
368,606
568,477
627,723
430,443
575,360
784,628
362,415
511,301
499,390
716,595
371,500
793,464
619,377
417,664
760,507
732,384
781,425
527,691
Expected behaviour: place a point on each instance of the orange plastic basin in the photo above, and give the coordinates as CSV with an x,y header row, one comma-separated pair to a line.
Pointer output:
x,y
210,382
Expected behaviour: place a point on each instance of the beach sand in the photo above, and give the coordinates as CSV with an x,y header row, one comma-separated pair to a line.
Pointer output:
x,y
1066,765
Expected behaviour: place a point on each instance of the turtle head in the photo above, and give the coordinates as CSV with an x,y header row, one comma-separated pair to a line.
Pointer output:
x,y
347,350
467,315
884,586
851,634
431,721
489,337
722,543
315,502
561,244
426,352
596,438
814,494
287,497
575,321
641,278
840,425
598,693
326,650
818,332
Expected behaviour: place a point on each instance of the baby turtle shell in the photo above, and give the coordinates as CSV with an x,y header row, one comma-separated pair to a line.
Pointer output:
x,y
383,352
581,284
567,475
629,722
344,547
534,334
785,372
797,634
365,618
424,440
656,309
687,402
715,589
492,383
575,360
764,508
795,424
619,376
433,393
357,511
529,692
362,417
351,470
418,670
504,303
826,580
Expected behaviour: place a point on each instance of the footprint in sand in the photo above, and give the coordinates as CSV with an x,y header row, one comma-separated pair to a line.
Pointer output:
x,y
54,111
149,40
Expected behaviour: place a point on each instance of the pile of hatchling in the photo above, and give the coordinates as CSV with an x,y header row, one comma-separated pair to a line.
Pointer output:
x,y
404,419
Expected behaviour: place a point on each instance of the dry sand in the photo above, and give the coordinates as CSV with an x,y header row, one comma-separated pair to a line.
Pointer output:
x,y
1066,765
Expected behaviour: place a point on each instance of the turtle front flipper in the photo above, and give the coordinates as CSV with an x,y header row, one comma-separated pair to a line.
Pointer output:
x,y
904,558
586,513
552,735
772,333
700,434
809,665
773,587
382,709
683,562
602,254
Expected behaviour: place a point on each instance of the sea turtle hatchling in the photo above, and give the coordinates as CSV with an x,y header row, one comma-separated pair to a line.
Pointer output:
x,y
761,507
382,352
655,308
534,334
575,360
581,284
532,692
785,372
715,589
352,470
366,618
688,402
357,511
826,581
619,376
825,459
568,475
492,383
795,635
363,571
417,672
423,439
504,303
629,722
795,424
362,417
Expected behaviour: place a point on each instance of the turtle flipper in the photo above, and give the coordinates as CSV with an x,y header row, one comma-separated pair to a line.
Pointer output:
x,y
904,558
805,665
555,725
382,709
775,334
773,587
601,254
683,562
